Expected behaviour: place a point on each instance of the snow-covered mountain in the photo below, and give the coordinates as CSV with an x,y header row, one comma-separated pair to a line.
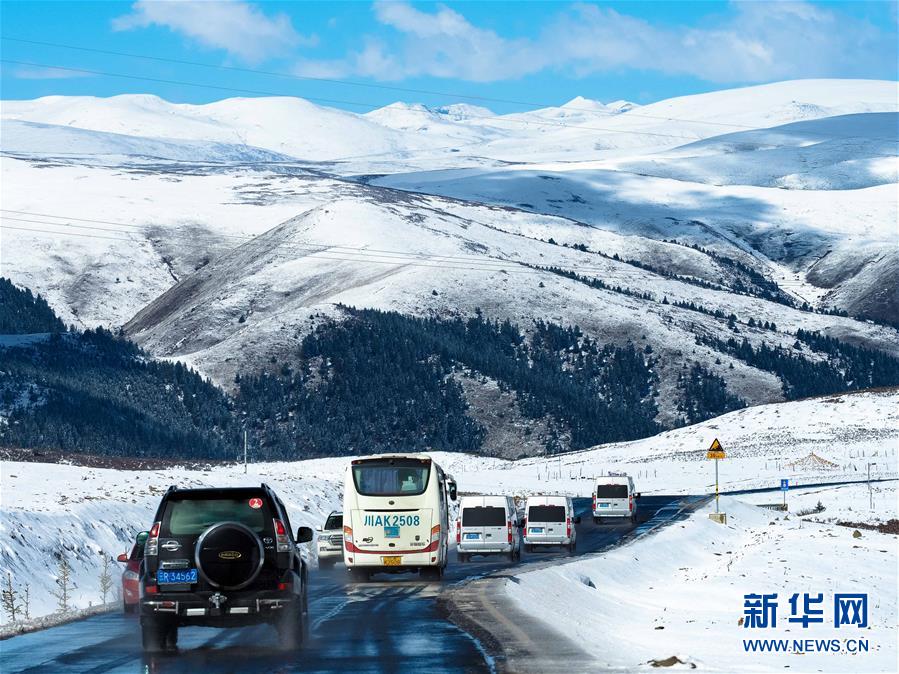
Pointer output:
x,y
179,219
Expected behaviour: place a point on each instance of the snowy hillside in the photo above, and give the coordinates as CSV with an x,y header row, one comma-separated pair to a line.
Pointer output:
x,y
258,299
215,232
47,139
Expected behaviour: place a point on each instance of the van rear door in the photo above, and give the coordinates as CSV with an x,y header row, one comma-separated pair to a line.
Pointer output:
x,y
612,498
546,522
483,526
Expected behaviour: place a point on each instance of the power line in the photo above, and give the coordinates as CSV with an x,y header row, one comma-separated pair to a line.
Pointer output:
x,y
340,253
499,118
353,250
372,85
361,254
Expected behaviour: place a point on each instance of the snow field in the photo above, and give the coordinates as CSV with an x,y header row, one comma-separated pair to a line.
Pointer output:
x,y
681,593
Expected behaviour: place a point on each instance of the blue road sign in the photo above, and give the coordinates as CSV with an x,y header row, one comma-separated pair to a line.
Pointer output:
x,y
784,485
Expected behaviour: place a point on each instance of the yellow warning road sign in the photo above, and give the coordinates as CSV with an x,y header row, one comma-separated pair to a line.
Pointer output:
x,y
716,451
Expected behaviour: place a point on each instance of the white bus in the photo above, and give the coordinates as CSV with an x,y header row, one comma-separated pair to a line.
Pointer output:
x,y
396,515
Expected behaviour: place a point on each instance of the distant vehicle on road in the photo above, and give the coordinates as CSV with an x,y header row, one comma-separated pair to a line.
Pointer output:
x,y
222,558
488,525
131,574
396,515
550,520
330,541
614,496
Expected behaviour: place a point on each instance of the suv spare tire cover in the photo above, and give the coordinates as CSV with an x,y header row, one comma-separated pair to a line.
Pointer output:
x,y
229,555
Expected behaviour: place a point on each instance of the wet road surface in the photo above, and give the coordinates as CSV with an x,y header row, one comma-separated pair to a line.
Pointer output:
x,y
390,624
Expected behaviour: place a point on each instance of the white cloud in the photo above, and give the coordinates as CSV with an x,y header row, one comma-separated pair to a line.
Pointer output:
x,y
758,41
240,28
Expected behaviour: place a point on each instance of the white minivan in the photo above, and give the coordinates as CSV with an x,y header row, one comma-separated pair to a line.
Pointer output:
x,y
488,525
614,496
550,520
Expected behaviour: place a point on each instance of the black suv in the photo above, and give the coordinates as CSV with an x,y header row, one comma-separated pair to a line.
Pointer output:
x,y
222,558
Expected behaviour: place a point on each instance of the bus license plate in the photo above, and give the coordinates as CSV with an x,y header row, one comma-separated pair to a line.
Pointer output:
x,y
391,561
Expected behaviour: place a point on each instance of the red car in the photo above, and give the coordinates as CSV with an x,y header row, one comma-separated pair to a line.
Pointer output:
x,y
131,575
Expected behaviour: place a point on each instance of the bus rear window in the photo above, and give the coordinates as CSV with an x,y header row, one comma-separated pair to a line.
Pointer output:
x,y
546,513
611,491
391,477
484,517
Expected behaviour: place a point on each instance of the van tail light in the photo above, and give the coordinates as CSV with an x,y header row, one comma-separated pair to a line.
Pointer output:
x,y
281,536
594,502
568,527
509,529
151,547
458,531
525,523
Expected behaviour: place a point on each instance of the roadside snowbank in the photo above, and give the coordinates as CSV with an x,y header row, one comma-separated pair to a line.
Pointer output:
x,y
681,593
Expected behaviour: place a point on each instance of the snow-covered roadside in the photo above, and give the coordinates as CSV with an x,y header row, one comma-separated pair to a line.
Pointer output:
x,y
681,593
764,444
49,510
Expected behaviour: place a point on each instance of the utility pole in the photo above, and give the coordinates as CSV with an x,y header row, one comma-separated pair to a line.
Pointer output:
x,y
245,451
870,493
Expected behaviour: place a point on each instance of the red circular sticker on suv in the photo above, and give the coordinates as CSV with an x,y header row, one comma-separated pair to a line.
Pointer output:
x,y
255,503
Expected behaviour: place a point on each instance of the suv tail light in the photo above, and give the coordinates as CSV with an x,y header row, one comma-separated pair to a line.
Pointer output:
x,y
509,528
281,536
458,531
568,527
151,547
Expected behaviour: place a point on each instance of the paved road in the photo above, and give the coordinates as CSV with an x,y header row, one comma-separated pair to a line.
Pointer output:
x,y
391,624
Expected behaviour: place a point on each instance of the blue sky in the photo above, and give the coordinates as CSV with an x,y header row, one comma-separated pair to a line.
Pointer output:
x,y
531,52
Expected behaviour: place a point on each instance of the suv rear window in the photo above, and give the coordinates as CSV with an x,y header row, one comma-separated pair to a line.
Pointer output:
x,y
480,516
334,522
192,516
546,513
611,491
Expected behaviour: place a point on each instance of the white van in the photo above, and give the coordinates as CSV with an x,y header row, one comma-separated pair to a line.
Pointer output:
x,y
614,496
488,525
396,515
550,520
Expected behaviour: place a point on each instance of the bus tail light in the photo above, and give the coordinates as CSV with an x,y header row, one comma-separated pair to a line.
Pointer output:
x,y
348,538
151,547
435,533
281,536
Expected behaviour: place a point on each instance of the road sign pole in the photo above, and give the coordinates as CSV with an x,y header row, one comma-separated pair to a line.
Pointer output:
x,y
716,485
